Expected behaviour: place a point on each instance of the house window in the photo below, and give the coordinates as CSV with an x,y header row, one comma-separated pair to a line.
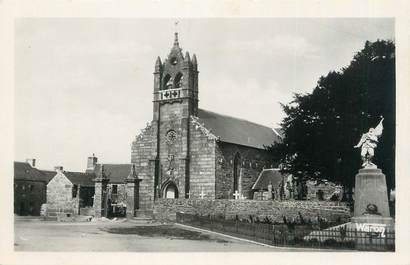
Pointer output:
x,y
31,187
74,190
114,189
114,194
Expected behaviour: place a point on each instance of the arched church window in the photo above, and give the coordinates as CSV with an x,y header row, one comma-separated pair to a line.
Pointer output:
x,y
167,82
236,169
178,80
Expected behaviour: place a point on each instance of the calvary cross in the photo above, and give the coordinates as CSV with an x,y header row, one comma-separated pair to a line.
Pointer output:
x,y
202,194
236,195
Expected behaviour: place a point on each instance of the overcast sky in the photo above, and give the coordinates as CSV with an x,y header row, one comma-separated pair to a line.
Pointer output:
x,y
85,86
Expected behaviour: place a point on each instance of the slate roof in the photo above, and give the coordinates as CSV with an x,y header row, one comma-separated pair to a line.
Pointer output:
x,y
238,131
80,178
117,173
24,171
49,173
268,176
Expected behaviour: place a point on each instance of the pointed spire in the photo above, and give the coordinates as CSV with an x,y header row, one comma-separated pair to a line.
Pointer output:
x,y
176,43
132,177
158,64
194,61
176,50
187,58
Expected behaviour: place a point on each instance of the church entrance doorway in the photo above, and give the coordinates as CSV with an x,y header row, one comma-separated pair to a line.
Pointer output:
x,y
171,191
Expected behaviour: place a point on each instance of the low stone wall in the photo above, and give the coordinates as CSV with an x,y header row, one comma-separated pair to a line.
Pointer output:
x,y
87,211
52,212
165,209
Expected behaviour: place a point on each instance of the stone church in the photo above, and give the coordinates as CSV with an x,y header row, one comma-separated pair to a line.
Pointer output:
x,y
188,152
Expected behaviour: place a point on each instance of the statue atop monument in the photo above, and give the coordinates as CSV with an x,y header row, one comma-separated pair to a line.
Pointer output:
x,y
368,142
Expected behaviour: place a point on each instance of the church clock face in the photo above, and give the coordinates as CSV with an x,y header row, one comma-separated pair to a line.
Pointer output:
x,y
171,136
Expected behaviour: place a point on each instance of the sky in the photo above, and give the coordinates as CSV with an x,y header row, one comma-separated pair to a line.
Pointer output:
x,y
84,85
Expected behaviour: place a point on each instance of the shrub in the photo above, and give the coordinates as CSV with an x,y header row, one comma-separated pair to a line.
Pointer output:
x,y
267,220
250,220
313,241
331,242
302,221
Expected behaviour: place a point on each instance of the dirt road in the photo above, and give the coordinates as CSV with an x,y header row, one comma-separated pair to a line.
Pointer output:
x,y
37,235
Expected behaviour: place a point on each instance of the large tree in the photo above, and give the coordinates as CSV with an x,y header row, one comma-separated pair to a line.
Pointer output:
x,y
321,128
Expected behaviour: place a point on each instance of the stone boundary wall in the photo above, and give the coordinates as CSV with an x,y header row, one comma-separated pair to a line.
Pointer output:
x,y
165,209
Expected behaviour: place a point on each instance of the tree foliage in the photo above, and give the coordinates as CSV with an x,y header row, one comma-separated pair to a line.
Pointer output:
x,y
321,128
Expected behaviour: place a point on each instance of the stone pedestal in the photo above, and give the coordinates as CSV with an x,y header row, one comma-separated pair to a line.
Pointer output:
x,y
132,189
373,228
373,219
370,188
100,197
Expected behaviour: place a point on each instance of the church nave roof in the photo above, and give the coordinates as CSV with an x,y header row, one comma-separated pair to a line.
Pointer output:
x,y
238,131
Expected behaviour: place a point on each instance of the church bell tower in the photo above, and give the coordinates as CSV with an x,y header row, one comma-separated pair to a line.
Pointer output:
x,y
175,100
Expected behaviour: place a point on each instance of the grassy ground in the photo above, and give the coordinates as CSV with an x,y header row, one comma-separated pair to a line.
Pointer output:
x,y
165,231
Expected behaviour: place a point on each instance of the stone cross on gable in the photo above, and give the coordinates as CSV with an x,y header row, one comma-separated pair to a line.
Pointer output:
x,y
237,195
202,193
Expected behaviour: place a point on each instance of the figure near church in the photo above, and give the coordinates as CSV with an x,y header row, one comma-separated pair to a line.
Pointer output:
x,y
368,142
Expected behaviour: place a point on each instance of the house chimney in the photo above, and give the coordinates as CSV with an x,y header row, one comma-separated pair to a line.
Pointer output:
x,y
31,161
58,168
91,162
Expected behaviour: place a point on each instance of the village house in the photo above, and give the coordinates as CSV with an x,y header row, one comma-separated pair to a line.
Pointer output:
x,y
70,192
74,192
270,185
30,185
